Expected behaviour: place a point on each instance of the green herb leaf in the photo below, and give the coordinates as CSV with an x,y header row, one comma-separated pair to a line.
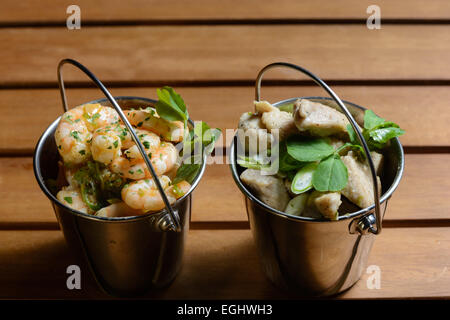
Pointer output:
x,y
170,105
187,171
330,175
308,149
371,120
75,134
68,199
383,135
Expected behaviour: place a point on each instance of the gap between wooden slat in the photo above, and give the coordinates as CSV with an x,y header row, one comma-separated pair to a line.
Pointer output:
x,y
210,22
223,83
230,225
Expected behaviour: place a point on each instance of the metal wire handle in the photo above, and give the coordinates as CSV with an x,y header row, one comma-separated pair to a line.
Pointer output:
x,y
350,118
174,221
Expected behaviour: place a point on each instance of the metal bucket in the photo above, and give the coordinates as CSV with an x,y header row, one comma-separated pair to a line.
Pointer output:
x,y
318,257
127,255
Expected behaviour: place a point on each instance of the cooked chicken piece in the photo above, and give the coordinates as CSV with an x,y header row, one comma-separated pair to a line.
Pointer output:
x,y
269,189
327,203
359,189
264,106
253,134
273,119
378,161
287,184
318,119
250,120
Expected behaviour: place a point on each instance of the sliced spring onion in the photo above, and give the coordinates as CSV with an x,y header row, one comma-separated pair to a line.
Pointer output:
x,y
297,205
302,181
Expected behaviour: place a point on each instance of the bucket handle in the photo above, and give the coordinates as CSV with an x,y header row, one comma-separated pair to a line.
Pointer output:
x,y
364,225
173,221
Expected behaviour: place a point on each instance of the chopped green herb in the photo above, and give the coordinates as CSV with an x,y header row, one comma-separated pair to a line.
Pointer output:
x,y
75,134
68,199
146,144
139,124
116,143
82,152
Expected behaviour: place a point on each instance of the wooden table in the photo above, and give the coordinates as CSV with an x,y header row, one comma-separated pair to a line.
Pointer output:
x,y
211,52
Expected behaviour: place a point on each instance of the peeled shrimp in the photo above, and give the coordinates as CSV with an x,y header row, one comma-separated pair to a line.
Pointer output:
x,y
96,116
105,146
74,131
71,197
119,209
149,120
72,136
163,159
150,141
143,194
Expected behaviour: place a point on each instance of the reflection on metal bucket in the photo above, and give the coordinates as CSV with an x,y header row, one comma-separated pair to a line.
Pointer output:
x,y
318,257
128,255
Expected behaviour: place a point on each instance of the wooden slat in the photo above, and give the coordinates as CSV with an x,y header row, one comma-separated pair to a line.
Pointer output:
x,y
422,104
138,10
422,194
207,53
223,264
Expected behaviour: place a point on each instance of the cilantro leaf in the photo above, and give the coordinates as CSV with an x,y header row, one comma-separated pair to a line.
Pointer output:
x,y
330,175
371,120
377,131
170,105
308,149
187,171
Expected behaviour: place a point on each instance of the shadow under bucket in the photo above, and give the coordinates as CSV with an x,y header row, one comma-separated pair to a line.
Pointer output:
x,y
127,255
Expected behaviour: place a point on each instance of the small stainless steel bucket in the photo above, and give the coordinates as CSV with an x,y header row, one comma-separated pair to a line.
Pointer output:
x,y
127,255
318,257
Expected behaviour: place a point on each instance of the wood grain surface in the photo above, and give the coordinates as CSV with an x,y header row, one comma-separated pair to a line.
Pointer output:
x,y
20,130
223,264
211,51
221,53
142,10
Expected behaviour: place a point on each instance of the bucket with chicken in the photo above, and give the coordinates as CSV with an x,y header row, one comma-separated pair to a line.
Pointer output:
x,y
123,191
316,187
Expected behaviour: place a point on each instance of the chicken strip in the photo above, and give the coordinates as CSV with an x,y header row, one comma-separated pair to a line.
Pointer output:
x,y
359,189
253,134
327,203
378,161
269,189
318,119
273,119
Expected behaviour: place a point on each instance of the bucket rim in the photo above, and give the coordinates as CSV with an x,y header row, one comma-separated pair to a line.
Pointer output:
x,y
384,197
54,200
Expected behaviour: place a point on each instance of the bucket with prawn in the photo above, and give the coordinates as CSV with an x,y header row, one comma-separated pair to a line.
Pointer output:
x,y
311,256
127,255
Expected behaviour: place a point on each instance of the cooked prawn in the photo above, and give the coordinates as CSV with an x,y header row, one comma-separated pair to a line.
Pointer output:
x,y
74,132
118,209
162,158
143,194
72,136
149,120
105,146
72,198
